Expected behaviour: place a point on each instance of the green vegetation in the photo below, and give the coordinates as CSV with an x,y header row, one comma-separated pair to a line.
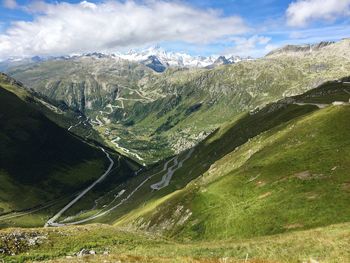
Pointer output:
x,y
225,140
327,244
269,184
41,162
291,174
157,115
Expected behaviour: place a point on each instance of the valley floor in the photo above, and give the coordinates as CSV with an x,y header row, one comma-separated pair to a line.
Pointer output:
x,y
103,243
270,186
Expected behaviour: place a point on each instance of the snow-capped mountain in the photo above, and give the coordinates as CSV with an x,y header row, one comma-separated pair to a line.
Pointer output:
x,y
155,58
154,63
177,59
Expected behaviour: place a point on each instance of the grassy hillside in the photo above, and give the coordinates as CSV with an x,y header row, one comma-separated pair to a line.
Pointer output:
x,y
327,244
130,200
271,185
140,197
55,110
292,176
219,144
41,162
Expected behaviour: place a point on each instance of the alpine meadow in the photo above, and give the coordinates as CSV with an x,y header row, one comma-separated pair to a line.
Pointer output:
x,y
175,131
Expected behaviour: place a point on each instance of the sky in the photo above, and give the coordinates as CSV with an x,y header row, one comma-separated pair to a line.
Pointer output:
x,y
197,27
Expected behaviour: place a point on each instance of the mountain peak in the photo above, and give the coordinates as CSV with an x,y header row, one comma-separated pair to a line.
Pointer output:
x,y
177,59
154,63
222,60
154,57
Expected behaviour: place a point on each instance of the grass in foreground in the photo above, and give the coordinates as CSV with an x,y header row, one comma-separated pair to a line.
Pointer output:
x,y
327,244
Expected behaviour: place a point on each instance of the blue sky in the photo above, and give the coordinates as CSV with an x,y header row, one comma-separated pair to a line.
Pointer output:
x,y
199,27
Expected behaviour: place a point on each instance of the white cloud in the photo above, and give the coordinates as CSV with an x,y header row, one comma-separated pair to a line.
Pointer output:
x,y
11,4
252,46
68,28
270,47
302,12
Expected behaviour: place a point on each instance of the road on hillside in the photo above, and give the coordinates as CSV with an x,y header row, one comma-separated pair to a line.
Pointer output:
x,y
319,105
33,210
52,221
167,177
169,171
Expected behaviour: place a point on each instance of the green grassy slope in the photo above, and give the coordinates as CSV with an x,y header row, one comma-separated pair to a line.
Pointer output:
x,y
327,244
204,155
215,147
292,176
271,186
40,161
56,111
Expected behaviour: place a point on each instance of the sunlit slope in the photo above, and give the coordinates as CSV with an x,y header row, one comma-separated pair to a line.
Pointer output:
x,y
293,176
195,162
326,244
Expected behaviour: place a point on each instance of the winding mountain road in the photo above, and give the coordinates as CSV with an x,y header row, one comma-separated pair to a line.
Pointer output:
x,y
33,210
167,177
73,126
319,105
52,221
169,173
127,151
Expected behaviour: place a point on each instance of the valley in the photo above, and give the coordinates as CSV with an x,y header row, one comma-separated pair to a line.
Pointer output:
x,y
149,115
245,161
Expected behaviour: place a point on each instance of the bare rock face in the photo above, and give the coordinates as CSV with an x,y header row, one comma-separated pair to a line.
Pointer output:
x,y
169,109
300,48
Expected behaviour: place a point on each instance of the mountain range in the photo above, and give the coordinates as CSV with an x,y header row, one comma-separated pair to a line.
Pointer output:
x,y
155,157
164,113
155,55
176,59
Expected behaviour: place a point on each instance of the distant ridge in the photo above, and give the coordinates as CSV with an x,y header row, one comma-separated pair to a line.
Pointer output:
x,y
300,48
155,58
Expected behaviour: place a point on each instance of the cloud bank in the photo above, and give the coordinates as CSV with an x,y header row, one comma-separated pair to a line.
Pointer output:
x,y
65,28
302,12
249,46
11,4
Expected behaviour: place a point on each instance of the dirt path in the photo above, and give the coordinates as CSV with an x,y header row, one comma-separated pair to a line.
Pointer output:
x,y
127,151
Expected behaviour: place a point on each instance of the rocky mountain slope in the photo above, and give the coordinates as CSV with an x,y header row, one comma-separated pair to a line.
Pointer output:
x,y
303,49
162,57
148,115
176,59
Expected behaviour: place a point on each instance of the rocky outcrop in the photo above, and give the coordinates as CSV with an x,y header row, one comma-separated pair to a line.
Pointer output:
x,y
17,242
154,63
